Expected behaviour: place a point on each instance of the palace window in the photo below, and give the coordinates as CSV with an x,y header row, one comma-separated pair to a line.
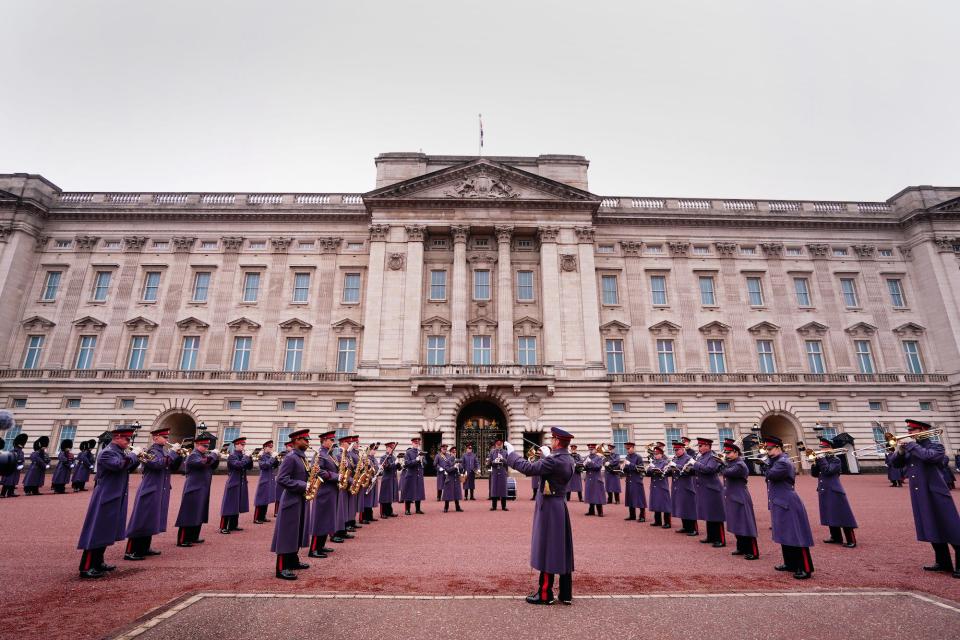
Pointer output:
x,y
288,405
618,407
189,352
658,290
242,345
814,349
72,403
62,244
765,359
67,432
723,405
619,438
18,403
341,405
354,246
31,360
258,244
724,433
802,288
849,290
293,358
794,251
301,286
605,248
748,251
85,351
11,434
208,245
671,435
755,291
718,363
825,405
51,285
234,405
885,253
481,284
438,285
864,356
614,348
671,407
839,252
665,358
436,350
306,246
229,435
875,405
126,403
609,289
101,285
160,245
926,405
346,355
879,437
351,287
701,250
527,350
201,286
251,286
708,296
482,350
151,284
911,351
895,287
525,286
138,352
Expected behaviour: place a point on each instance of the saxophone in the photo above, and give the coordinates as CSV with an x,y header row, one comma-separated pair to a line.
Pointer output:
x,y
344,483
314,480
359,473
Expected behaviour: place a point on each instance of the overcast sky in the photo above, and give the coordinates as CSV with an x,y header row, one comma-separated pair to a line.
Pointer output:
x,y
838,99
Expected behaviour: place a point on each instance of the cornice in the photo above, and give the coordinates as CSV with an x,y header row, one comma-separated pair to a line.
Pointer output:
x,y
744,222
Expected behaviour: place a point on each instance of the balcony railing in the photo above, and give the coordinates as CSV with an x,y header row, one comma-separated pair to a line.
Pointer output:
x,y
175,374
778,378
481,371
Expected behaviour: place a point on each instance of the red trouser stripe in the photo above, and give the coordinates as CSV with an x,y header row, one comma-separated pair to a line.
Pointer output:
x,y
183,536
313,544
130,545
279,562
723,534
853,536
223,522
805,553
87,558
543,587
756,549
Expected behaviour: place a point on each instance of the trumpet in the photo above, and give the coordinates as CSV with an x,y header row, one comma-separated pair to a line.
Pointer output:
x,y
182,450
142,455
893,441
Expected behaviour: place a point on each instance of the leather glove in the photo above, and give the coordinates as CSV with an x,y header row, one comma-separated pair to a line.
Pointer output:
x,y
508,447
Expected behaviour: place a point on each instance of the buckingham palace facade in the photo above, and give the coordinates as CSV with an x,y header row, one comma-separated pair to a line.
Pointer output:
x,y
465,297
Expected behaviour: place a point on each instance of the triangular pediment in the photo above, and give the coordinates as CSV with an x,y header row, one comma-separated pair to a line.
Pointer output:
x,y
527,322
89,322
614,326
764,327
665,327
481,182
861,329
910,329
715,328
244,323
482,322
141,324
436,321
295,324
346,325
813,328
192,323
37,322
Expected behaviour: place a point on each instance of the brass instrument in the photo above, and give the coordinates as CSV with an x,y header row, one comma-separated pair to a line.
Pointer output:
x,y
603,450
894,441
143,455
813,454
314,480
344,483
532,454
364,473
182,450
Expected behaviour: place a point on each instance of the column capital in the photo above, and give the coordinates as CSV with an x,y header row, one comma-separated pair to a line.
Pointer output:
x,y
631,247
585,234
86,243
329,244
548,233
460,233
415,232
379,232
504,232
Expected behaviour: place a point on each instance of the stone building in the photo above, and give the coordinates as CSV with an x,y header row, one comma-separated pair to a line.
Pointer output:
x,y
466,297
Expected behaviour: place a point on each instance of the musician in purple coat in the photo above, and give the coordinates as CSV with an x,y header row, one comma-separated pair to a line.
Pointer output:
x,y
471,465
354,498
323,515
195,503
894,473
737,503
266,483
551,545
292,528
12,479
576,481
635,497
344,503
451,470
593,485
534,480
835,511
39,461
411,478
65,464
82,467
368,496
389,487
611,476
497,459
287,448
934,512
709,490
659,488
236,492
436,465
683,498
791,527
107,512
152,502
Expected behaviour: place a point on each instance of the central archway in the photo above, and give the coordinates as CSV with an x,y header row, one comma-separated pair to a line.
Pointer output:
x,y
480,423
784,427
181,425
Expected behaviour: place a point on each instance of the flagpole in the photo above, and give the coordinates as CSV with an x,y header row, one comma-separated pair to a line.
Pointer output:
x,y
480,147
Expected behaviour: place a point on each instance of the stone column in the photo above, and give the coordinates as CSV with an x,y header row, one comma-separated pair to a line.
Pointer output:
x,y
458,298
373,306
550,270
413,294
590,303
505,351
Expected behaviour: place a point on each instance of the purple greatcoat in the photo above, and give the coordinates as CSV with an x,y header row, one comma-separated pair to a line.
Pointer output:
x,y
448,469
611,473
551,545
659,486
788,515
894,473
354,499
389,488
236,496
39,461
934,512
436,465
291,530
368,496
498,473
107,512
683,498
709,488
411,478
633,478
267,483
152,502
12,479
737,503
834,507
195,503
593,486
323,514
576,480
83,467
471,465
61,473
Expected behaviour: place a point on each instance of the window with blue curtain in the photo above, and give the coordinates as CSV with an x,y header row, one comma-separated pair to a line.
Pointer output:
x,y
230,434
10,434
619,438
878,437
283,434
67,432
723,433
671,435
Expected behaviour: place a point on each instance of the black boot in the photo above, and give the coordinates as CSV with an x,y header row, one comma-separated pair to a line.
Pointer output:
x,y
417,504
590,511
631,513
493,504
456,503
503,504
643,515
850,537
580,496
446,506
406,508
609,497
544,593
599,510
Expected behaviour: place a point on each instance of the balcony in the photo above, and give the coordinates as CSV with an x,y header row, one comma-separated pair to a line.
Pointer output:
x,y
174,375
481,371
779,378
